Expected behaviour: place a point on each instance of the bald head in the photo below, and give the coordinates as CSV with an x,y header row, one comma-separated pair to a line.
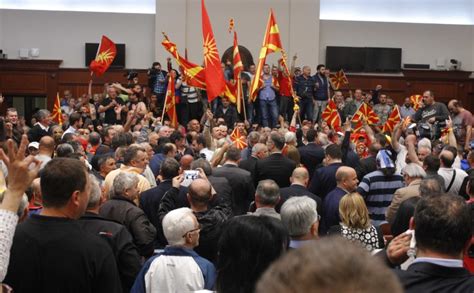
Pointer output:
x,y
186,161
199,193
46,144
300,176
446,158
346,178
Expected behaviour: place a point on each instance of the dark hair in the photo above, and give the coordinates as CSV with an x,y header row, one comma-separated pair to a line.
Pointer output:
x,y
319,66
169,168
203,164
247,246
432,185
200,139
175,136
119,140
60,178
233,154
334,151
278,140
131,153
332,264
67,137
431,164
163,140
442,224
64,149
167,148
401,222
311,135
74,118
94,138
98,160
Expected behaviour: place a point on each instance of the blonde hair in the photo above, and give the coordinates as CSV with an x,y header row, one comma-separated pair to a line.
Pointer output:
x,y
353,211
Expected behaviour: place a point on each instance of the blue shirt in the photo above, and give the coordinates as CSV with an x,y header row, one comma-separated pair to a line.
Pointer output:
x,y
160,83
267,93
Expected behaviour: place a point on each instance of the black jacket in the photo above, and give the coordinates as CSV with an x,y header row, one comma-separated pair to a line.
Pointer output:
x,y
241,182
297,190
230,116
211,222
250,165
276,167
324,180
124,211
36,133
366,166
428,277
312,155
121,242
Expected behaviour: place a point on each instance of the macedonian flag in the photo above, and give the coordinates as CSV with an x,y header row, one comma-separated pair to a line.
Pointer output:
x,y
331,115
215,82
339,79
170,103
392,120
417,101
57,114
238,139
365,113
104,58
271,43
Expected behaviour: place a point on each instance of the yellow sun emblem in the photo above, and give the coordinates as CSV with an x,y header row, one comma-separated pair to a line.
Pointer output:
x,y
210,50
105,56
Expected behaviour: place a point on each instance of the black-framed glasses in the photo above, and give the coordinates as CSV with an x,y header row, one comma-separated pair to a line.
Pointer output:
x,y
193,230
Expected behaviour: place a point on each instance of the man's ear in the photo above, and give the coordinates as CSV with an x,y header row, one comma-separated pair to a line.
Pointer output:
x,y
75,198
314,229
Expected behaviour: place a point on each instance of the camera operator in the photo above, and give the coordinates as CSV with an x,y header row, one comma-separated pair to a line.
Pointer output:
x,y
431,114
157,81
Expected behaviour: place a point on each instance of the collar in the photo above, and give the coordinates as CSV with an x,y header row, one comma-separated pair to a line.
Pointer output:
x,y
45,128
415,182
450,263
230,164
299,243
126,168
123,198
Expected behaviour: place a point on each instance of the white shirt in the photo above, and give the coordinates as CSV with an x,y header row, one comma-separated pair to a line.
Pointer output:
x,y
69,130
8,221
447,174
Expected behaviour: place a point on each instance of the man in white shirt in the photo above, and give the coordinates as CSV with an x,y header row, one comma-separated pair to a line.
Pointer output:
x,y
453,177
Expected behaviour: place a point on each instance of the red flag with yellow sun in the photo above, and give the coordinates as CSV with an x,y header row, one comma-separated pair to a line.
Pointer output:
x,y
215,82
238,139
104,58
57,114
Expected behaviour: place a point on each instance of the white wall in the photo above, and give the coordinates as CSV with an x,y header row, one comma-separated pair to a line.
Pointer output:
x,y
420,43
292,16
62,35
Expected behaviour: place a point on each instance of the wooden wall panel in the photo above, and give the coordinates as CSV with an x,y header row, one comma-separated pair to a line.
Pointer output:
x,y
24,83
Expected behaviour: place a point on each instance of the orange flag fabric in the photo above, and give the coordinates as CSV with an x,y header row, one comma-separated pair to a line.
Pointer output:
x,y
416,101
392,120
238,139
365,113
339,79
238,68
215,82
57,113
104,58
170,103
193,73
271,43
331,115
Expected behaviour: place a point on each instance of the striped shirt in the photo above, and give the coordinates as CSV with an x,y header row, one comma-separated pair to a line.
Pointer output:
x,y
377,190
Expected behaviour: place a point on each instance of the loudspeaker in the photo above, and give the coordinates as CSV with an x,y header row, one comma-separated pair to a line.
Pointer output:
x,y
416,66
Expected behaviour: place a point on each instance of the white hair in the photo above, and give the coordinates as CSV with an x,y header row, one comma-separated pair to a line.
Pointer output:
x,y
176,224
424,143
323,139
122,182
414,171
290,137
298,214
96,192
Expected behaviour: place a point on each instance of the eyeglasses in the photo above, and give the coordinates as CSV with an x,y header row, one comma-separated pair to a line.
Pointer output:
x,y
193,230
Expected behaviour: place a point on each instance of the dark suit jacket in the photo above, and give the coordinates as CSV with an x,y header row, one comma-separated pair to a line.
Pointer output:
x,y
243,190
297,190
276,167
427,277
36,133
366,166
150,201
312,155
324,180
250,165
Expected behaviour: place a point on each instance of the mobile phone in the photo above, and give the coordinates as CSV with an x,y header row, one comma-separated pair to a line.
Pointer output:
x,y
189,177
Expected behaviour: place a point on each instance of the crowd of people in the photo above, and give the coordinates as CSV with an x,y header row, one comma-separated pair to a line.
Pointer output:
x,y
118,199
